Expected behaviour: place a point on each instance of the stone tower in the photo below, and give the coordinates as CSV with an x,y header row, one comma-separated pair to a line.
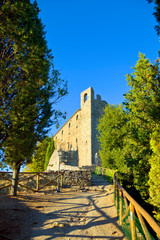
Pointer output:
x,y
85,146
91,110
78,136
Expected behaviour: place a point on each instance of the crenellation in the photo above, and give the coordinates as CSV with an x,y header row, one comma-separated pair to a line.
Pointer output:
x,y
98,98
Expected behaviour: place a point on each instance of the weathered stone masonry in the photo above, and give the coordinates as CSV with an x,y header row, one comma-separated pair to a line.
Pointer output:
x,y
77,178
78,136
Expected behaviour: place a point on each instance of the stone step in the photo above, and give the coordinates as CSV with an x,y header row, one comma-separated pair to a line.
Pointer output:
x,y
98,181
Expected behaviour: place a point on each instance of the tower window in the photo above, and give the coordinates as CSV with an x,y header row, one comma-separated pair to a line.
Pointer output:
x,y
85,97
69,125
77,117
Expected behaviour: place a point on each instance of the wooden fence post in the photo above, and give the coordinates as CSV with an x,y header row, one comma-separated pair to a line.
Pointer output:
x,y
121,207
61,180
132,218
143,225
114,192
117,199
37,187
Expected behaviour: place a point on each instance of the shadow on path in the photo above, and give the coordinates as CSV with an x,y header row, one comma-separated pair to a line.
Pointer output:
x,y
15,219
68,215
77,216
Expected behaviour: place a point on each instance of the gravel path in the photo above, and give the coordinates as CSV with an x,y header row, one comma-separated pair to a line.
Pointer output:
x,y
72,214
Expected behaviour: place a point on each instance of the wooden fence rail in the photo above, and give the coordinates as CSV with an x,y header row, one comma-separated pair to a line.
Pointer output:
x,y
34,181
130,209
134,207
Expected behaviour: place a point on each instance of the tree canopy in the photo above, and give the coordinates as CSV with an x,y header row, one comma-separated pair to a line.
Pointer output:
x,y
112,123
29,84
49,151
142,103
129,133
134,143
38,162
156,14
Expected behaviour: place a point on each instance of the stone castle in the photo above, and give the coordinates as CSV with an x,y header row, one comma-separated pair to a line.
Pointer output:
x,y
77,138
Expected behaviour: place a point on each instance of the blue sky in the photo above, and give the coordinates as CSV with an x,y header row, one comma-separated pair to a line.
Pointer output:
x,y
96,42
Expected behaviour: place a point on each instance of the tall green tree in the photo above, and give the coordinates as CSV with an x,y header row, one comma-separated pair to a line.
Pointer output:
x,y
50,149
38,159
29,84
154,174
142,103
112,130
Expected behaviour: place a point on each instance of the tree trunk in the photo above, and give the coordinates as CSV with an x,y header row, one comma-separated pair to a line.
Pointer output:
x,y
15,180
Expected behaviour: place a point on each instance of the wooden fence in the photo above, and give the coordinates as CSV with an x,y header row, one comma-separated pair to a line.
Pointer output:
x,y
135,210
33,181
130,210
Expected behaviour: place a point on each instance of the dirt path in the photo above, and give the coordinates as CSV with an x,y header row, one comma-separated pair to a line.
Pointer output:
x,y
68,215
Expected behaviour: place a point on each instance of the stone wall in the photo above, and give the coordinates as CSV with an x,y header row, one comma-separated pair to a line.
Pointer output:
x,y
80,178
78,136
97,110
67,137
67,161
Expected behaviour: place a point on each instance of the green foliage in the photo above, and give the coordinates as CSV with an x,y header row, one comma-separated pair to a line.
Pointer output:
x,y
37,161
129,137
142,103
112,130
156,14
154,174
108,174
142,100
29,84
50,149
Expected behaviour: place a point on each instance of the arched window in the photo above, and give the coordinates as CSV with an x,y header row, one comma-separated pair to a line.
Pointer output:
x,y
69,125
85,97
77,117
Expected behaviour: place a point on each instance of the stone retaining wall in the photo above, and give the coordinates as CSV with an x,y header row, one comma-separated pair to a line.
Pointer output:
x,y
80,178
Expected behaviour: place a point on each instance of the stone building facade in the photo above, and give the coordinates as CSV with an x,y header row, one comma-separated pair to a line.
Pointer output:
x,y
77,138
